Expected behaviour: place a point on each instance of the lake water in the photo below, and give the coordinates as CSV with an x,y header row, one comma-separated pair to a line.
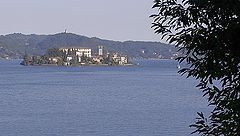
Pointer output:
x,y
151,99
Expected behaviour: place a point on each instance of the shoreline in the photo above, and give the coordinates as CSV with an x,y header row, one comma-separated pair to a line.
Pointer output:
x,y
130,59
86,65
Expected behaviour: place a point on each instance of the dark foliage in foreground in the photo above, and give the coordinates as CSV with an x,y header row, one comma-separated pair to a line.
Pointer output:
x,y
208,31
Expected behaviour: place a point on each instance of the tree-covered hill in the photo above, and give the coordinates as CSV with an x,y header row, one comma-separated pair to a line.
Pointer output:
x,y
15,45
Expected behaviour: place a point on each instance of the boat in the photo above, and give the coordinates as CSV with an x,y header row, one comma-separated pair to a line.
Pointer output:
x,y
178,66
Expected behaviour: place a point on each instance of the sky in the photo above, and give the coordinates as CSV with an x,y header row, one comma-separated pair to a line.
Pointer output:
x,y
119,20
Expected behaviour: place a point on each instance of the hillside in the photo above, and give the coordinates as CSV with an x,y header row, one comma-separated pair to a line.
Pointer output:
x,y
15,45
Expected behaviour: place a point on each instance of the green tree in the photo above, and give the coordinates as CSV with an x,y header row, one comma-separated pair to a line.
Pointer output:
x,y
74,61
54,52
208,33
36,60
26,59
44,59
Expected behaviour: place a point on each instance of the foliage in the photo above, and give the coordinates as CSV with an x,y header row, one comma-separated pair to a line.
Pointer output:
x,y
14,45
44,59
208,32
85,59
36,60
54,52
25,59
75,61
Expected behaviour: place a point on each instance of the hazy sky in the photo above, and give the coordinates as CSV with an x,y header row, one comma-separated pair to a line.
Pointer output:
x,y
109,19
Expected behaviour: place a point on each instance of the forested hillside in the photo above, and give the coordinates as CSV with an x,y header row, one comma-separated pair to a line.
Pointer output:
x,y
16,45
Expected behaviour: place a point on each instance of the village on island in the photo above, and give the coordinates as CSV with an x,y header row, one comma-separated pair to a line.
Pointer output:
x,y
77,56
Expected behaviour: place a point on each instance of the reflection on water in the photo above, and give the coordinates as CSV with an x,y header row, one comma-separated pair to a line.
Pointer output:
x,y
146,100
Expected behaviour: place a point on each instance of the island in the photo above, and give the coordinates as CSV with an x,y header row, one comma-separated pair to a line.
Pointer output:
x,y
77,56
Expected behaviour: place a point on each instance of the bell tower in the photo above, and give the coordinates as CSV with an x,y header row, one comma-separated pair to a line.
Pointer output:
x,y
100,50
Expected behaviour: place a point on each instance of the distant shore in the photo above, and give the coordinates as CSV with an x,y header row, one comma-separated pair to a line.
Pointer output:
x,y
94,65
130,59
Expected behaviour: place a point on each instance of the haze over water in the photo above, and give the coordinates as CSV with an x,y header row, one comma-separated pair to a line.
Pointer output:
x,y
146,100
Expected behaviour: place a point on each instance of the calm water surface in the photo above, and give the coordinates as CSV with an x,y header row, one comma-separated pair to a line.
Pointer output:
x,y
146,100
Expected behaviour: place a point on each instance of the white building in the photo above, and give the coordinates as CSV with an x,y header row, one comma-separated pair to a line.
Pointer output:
x,y
120,59
100,50
78,51
124,60
69,58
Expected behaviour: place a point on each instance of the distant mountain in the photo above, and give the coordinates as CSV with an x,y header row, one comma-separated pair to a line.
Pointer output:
x,y
15,45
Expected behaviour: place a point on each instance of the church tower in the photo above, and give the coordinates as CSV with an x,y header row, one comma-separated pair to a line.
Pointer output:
x,y
100,50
